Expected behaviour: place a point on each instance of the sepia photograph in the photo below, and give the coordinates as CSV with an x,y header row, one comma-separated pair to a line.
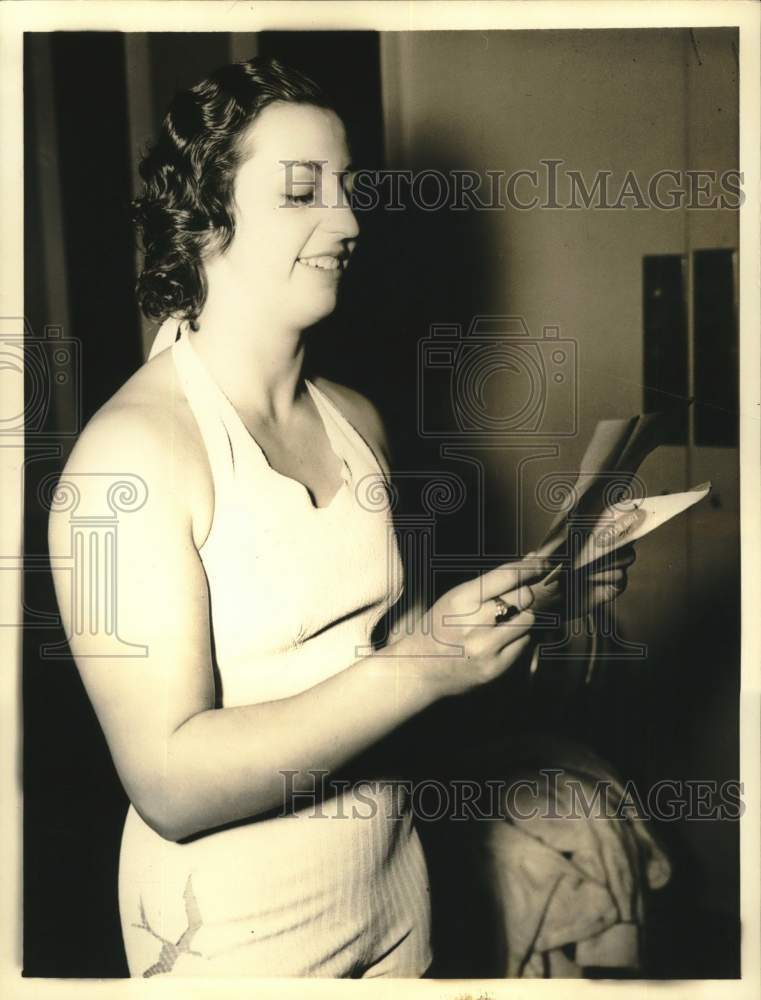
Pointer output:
x,y
388,536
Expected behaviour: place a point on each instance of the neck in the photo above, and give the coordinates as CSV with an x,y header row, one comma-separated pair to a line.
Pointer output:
x,y
256,362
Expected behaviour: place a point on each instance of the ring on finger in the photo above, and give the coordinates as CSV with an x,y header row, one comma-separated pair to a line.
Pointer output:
x,y
503,612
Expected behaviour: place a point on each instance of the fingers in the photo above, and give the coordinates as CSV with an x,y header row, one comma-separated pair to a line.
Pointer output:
x,y
513,650
613,575
616,563
521,618
485,613
627,556
606,587
621,558
510,632
516,601
507,578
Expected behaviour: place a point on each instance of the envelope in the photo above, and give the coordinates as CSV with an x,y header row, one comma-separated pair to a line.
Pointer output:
x,y
592,525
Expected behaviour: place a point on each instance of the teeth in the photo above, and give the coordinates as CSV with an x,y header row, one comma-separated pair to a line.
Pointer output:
x,y
323,263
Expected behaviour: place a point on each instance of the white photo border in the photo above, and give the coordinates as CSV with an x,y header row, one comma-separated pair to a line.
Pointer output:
x,y
162,15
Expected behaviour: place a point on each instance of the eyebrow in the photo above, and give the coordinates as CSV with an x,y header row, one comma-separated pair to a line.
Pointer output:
x,y
314,165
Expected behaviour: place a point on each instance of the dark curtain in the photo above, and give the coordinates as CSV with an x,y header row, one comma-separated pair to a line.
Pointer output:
x,y
85,100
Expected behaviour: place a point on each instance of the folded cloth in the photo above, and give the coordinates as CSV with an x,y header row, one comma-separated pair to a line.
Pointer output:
x,y
571,867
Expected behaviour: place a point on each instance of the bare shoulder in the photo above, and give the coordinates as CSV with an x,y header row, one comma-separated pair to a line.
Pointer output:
x,y
135,423
146,429
361,413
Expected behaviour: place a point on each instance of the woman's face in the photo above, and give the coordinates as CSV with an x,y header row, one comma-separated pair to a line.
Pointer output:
x,y
294,231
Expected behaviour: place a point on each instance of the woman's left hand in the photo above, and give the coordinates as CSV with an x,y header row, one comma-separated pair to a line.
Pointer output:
x,y
579,594
609,582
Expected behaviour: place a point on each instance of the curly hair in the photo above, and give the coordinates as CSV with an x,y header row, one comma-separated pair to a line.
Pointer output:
x,y
185,209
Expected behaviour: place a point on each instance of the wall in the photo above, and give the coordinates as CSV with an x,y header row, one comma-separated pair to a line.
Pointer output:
x,y
619,101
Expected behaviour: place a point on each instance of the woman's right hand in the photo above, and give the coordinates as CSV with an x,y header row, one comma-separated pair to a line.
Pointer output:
x,y
188,765
459,638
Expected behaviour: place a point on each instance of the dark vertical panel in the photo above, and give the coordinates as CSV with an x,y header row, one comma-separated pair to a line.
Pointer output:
x,y
36,311
91,108
346,64
716,370
35,291
360,343
46,299
179,60
73,803
242,45
664,317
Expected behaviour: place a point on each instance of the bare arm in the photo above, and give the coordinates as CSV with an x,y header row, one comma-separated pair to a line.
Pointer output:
x,y
185,765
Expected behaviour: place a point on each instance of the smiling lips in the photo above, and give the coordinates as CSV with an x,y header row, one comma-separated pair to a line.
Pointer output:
x,y
326,263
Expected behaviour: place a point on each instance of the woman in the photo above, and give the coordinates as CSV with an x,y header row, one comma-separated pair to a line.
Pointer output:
x,y
253,574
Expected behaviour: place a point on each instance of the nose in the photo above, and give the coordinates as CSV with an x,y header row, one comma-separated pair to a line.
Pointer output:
x,y
339,217
342,222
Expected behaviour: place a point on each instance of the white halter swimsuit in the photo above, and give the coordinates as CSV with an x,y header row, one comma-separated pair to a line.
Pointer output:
x,y
295,593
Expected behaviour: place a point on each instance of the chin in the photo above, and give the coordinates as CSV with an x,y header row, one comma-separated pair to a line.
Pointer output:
x,y
309,317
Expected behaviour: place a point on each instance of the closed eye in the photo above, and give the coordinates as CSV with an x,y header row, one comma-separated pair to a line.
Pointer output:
x,y
300,199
